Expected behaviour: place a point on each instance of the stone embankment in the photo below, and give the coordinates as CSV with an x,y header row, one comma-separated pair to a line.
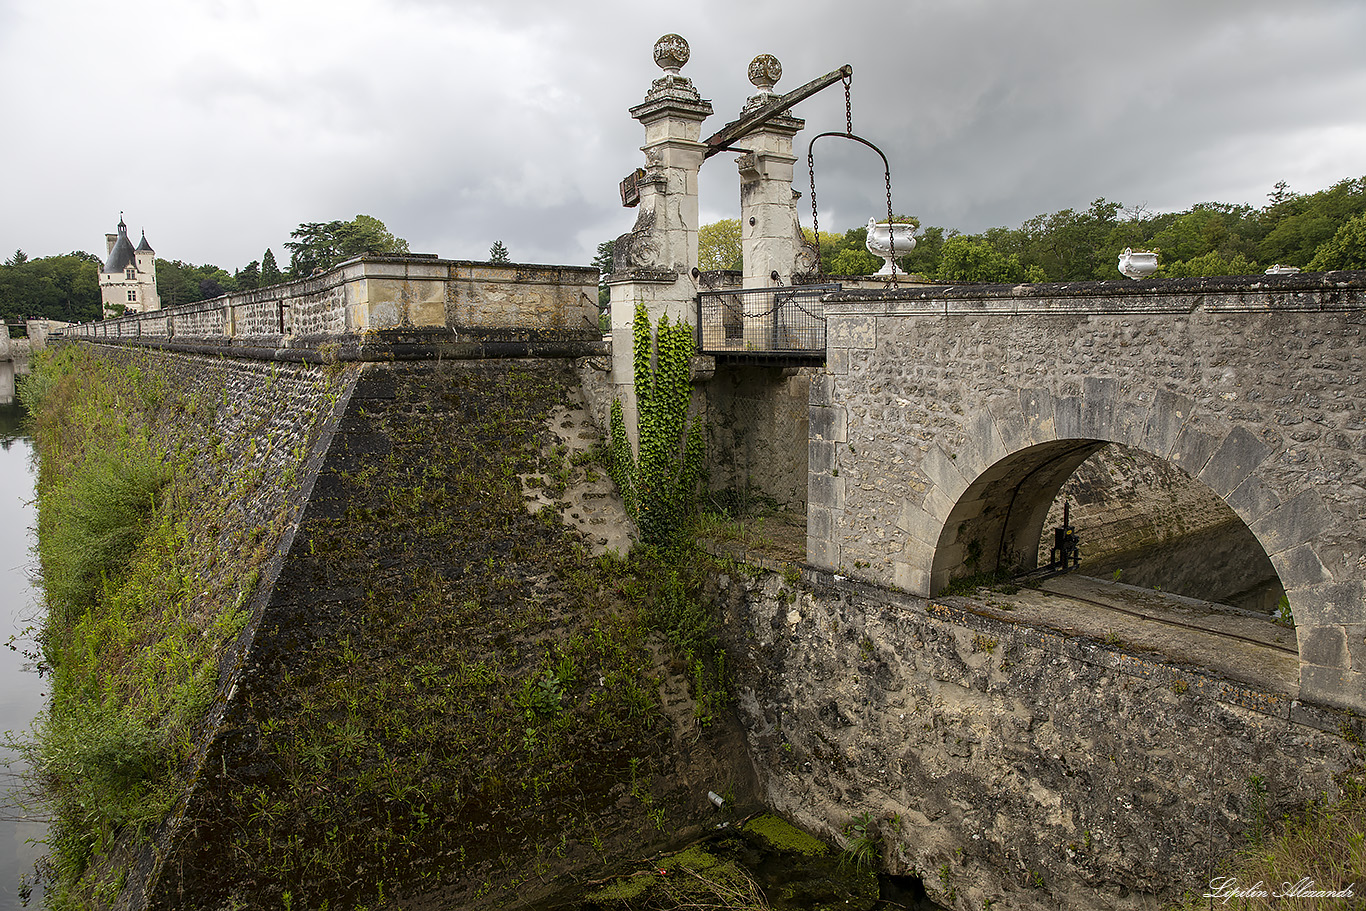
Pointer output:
x,y
1011,763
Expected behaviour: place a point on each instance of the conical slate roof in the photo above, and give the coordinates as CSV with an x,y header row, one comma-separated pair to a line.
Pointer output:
x,y
145,247
123,255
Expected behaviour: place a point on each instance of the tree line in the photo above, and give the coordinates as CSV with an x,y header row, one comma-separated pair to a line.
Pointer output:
x,y
1315,232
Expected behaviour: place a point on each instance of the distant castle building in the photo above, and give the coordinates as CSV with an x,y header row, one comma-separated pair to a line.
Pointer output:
x,y
129,276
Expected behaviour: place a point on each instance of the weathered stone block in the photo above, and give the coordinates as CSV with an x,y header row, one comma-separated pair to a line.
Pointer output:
x,y
829,423
1252,499
938,504
819,523
851,332
942,471
1323,645
1292,523
1236,457
911,579
1335,686
820,456
1098,403
1010,422
822,390
982,445
919,524
1333,603
1038,412
1130,423
1355,634
822,554
1193,449
827,491
1067,418
1165,420
1300,566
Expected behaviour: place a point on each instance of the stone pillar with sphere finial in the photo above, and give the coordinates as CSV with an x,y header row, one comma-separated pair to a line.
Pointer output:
x,y
654,263
768,209
767,206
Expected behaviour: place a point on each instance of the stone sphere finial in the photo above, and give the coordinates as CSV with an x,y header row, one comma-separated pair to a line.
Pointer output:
x,y
671,52
764,72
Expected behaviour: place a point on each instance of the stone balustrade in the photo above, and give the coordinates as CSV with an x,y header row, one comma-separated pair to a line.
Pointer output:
x,y
381,307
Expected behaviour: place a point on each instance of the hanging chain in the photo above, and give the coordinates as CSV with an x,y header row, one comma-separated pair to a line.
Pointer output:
x,y
848,80
815,217
891,232
848,108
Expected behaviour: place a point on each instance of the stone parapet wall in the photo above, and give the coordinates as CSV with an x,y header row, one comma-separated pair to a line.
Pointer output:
x,y
373,294
1008,765
948,418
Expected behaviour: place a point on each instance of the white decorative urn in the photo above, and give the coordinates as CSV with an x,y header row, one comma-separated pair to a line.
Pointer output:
x,y
888,245
1137,263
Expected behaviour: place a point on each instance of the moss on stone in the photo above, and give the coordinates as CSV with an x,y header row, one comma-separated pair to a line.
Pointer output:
x,y
623,889
694,857
784,836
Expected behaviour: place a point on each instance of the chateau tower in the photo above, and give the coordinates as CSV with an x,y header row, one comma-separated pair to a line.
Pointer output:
x,y
128,278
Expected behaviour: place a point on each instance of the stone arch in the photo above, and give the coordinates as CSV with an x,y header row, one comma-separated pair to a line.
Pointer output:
x,y
986,501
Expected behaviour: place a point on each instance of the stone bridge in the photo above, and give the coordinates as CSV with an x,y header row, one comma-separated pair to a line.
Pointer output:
x,y
947,419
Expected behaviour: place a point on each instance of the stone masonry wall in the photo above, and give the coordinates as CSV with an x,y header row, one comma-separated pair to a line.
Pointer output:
x,y
1006,765
948,418
758,428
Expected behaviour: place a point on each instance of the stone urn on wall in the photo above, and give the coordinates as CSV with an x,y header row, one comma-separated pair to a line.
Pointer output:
x,y
888,245
1138,263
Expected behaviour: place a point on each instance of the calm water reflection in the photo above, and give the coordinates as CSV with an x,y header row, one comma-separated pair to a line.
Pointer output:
x,y
21,690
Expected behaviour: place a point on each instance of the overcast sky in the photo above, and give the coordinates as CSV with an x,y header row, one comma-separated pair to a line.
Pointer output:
x,y
219,125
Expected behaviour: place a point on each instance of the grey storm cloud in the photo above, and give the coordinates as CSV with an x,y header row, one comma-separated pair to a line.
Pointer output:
x,y
220,126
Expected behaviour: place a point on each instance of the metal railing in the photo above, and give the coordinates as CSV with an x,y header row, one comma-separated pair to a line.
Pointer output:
x,y
763,321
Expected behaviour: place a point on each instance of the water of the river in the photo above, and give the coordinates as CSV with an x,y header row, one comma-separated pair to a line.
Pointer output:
x,y
21,690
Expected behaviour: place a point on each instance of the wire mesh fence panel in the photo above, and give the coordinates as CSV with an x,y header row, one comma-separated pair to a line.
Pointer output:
x,y
763,321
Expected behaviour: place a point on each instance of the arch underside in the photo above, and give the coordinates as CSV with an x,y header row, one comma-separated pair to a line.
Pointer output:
x,y
996,523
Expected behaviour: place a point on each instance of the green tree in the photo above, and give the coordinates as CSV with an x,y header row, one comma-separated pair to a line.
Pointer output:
x,y
1211,263
52,287
604,263
1345,250
183,283
1232,232
973,259
1070,245
249,276
321,245
924,259
1296,226
270,272
498,253
852,261
718,245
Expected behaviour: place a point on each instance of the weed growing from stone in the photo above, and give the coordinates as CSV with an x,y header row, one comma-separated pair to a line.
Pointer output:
x,y
446,683
146,585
